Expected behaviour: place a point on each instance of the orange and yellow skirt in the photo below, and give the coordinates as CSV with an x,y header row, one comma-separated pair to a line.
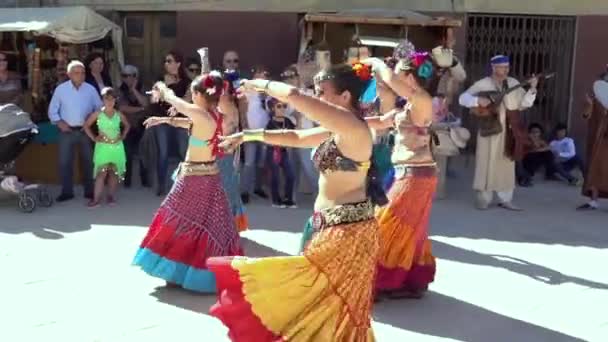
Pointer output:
x,y
323,295
406,261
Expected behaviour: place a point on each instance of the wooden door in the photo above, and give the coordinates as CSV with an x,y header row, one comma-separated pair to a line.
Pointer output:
x,y
148,38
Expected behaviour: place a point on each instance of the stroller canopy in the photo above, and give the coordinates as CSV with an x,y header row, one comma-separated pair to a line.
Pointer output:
x,y
13,120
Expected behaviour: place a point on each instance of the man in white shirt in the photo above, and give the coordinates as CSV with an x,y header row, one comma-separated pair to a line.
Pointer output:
x,y
72,103
565,151
255,152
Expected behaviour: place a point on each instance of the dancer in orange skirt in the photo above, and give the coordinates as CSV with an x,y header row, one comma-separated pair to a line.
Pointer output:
x,y
326,293
406,265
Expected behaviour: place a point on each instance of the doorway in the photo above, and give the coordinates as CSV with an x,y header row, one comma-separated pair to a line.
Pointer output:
x,y
148,38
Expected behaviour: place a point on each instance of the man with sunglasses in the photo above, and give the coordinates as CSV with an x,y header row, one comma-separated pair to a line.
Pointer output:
x,y
132,104
194,68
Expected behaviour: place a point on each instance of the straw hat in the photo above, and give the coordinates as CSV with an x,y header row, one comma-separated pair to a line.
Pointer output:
x,y
443,57
460,136
446,146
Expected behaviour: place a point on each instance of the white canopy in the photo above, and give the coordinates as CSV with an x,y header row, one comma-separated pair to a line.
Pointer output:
x,y
76,25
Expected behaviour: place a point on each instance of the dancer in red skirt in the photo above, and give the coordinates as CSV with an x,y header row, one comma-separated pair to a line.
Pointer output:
x,y
195,221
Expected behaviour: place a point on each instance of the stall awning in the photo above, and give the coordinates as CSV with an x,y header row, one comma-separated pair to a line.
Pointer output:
x,y
76,25
381,17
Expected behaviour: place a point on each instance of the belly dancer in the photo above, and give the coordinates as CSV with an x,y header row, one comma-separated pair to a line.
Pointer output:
x,y
326,293
228,163
194,221
406,265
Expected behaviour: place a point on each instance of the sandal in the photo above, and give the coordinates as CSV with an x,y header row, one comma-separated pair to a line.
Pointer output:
x,y
111,201
93,204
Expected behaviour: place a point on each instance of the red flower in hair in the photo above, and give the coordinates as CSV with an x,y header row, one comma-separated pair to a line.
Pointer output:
x,y
364,72
208,82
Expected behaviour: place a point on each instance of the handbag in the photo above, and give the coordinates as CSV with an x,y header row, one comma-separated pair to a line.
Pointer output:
x,y
489,125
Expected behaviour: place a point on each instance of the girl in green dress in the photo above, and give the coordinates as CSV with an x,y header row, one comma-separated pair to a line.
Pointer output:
x,y
109,157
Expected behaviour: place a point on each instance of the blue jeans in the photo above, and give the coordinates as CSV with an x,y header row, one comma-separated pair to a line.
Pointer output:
x,y
573,163
254,159
275,172
164,136
306,168
67,143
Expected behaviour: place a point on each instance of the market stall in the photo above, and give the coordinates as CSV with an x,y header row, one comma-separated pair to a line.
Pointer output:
x,y
375,28
42,41
356,34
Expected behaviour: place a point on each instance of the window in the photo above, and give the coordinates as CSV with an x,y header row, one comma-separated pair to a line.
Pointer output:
x,y
135,27
168,26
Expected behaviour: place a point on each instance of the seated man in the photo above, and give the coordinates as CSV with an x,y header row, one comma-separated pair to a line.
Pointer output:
x,y
539,155
565,151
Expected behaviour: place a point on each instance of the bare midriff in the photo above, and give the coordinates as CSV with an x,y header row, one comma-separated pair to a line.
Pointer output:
x,y
412,143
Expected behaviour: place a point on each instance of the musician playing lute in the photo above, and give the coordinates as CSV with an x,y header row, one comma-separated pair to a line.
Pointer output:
x,y
496,153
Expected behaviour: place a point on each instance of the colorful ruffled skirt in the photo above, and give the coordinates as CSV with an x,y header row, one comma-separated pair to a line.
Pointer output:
x,y
230,179
307,234
406,261
323,295
193,224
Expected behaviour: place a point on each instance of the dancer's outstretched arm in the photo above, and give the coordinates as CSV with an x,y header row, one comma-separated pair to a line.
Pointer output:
x,y
300,138
192,111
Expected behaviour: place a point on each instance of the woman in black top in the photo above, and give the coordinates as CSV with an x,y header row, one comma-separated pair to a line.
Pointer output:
x,y
176,79
96,72
277,157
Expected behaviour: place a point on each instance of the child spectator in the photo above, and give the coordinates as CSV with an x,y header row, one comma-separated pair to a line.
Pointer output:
x,y
565,151
278,157
539,155
109,157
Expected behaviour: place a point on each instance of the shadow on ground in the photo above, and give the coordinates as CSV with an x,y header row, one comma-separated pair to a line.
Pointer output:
x,y
515,265
447,317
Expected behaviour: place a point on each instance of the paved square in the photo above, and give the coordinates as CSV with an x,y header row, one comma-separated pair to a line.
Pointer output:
x,y
539,275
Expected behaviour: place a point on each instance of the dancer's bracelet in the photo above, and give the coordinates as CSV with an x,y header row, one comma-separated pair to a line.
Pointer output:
x,y
253,135
262,89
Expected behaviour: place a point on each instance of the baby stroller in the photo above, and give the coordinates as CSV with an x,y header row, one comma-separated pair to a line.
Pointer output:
x,y
16,131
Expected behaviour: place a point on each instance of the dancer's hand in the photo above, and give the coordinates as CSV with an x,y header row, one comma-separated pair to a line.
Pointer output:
x,y
158,91
153,121
172,112
231,142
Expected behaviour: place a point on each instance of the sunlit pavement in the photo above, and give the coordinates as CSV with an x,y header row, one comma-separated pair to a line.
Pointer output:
x,y
539,275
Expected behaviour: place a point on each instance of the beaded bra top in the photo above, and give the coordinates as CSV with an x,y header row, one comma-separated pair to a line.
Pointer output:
x,y
328,158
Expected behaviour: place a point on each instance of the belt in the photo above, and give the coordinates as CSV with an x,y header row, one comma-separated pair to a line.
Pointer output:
x,y
343,214
197,169
416,171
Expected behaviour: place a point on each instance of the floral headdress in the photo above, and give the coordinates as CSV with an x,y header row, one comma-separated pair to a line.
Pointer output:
x,y
420,62
210,84
363,71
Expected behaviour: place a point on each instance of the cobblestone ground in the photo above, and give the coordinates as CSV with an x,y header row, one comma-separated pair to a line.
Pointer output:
x,y
539,275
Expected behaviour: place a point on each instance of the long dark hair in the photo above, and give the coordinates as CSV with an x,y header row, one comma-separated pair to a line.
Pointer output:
x,y
179,58
105,73
344,78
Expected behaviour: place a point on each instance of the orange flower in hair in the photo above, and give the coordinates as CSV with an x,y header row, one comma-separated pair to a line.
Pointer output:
x,y
364,72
